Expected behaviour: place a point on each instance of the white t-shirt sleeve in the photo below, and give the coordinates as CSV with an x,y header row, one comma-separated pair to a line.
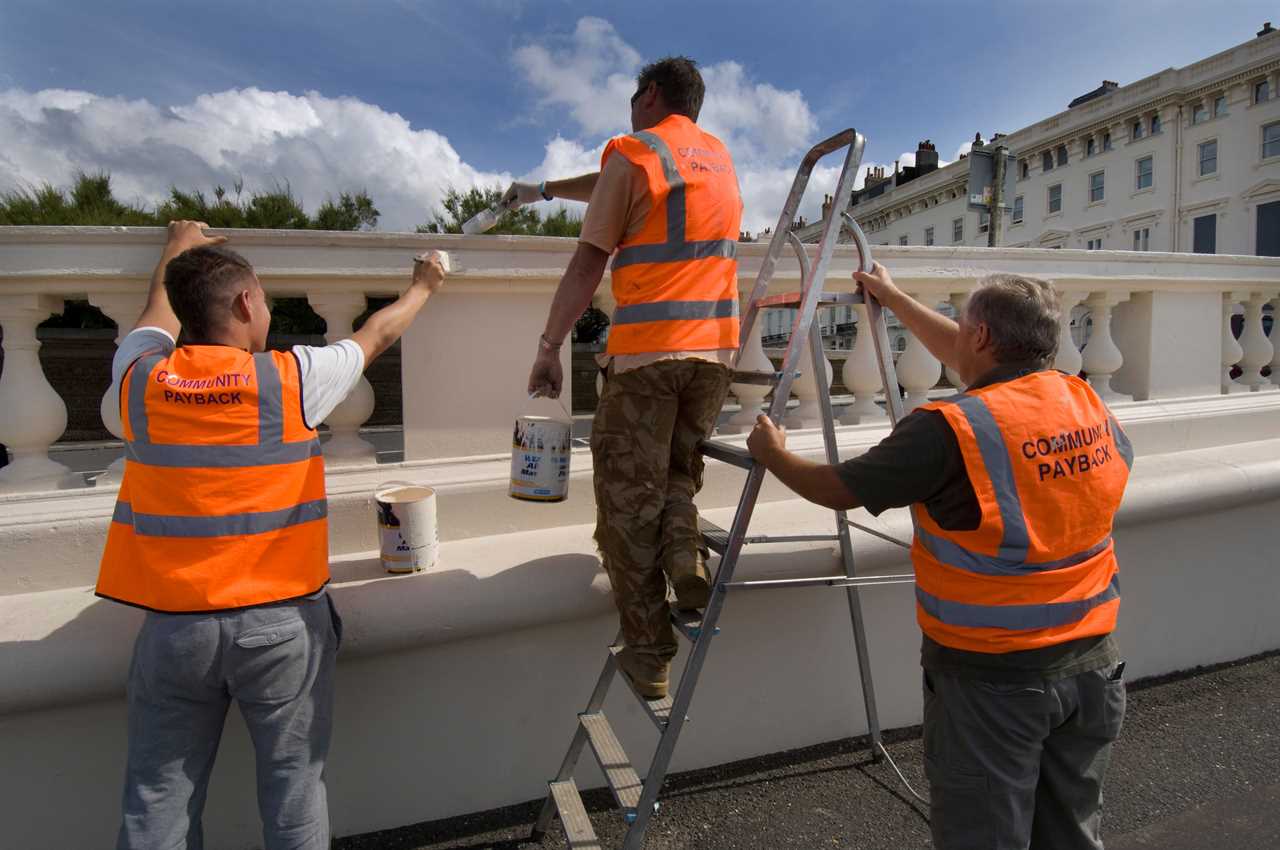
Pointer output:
x,y
329,373
139,342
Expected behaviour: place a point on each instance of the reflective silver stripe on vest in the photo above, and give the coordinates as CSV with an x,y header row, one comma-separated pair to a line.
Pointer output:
x,y
1014,617
658,311
229,525
999,466
1123,446
221,456
954,555
140,376
675,249
270,400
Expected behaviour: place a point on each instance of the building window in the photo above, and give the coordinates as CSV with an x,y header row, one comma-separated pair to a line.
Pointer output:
x,y
1024,169
902,240
1143,173
1046,161
1062,154
1094,245
1208,157
1199,114
1205,234
1219,105
1055,198
1142,239
1017,210
1271,140
1106,142
1262,91
984,222
1089,147
1097,187
1136,132
1155,124
957,230
928,236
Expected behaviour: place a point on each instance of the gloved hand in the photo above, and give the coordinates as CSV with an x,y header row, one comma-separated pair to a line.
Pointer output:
x,y
520,194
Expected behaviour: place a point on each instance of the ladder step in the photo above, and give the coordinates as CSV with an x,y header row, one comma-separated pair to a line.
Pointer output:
x,y
795,299
716,538
577,826
659,710
762,379
822,581
726,453
624,782
689,623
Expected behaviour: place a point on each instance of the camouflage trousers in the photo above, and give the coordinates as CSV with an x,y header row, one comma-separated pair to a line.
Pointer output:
x,y
644,444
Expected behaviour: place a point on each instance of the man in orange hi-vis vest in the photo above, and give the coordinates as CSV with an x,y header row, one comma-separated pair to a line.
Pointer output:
x,y
666,205
220,534
1014,485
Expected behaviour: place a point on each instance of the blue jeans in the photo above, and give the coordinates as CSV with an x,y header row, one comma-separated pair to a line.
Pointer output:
x,y
276,662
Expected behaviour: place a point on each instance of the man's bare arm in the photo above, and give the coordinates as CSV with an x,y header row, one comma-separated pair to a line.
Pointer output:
x,y
936,331
158,313
814,482
574,188
385,326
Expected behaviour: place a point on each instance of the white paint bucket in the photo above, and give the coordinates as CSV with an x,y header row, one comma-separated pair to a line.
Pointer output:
x,y
540,451
407,526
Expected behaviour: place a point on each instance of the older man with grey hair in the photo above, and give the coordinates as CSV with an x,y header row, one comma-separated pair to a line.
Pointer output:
x,y
1013,486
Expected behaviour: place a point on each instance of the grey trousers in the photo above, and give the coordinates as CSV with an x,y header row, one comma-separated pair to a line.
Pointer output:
x,y
277,663
1013,767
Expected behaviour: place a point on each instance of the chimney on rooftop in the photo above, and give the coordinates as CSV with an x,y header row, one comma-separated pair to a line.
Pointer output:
x,y
826,206
926,157
1266,28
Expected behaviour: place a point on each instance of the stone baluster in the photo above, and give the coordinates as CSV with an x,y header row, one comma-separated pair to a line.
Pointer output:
x,y
345,445
1231,350
861,374
1102,358
123,309
1275,340
918,370
1068,359
808,414
750,396
32,414
958,301
1258,350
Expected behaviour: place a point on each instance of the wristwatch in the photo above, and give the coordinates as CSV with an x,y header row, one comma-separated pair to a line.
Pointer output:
x,y
542,190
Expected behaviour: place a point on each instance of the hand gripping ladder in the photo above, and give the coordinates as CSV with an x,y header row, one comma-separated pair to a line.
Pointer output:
x,y
638,798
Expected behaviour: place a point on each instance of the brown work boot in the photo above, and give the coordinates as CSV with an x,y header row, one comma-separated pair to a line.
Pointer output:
x,y
692,586
648,673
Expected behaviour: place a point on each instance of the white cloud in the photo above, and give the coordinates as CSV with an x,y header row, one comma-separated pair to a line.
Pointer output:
x,y
321,145
963,150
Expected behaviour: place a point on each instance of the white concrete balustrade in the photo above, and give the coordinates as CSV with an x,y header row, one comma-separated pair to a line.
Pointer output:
x,y
458,688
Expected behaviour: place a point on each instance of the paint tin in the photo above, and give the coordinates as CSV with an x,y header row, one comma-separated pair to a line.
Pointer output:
x,y
410,540
540,451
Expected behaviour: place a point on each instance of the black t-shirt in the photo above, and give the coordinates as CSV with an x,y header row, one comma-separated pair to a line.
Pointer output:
x,y
920,462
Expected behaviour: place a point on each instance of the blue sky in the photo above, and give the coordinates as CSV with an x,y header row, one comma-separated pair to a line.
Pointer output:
x,y
502,88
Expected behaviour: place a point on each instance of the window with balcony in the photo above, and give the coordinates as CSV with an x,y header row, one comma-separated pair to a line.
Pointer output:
x,y
1271,140
1094,245
928,236
957,230
1136,131
1055,198
1143,171
1097,187
1142,239
1017,210
1208,158
1204,233
1062,154
1046,161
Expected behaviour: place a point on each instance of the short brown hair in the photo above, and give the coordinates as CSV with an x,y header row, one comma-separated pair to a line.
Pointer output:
x,y
678,79
201,284
1022,314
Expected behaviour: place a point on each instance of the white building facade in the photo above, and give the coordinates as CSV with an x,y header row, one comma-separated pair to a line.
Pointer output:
x,y
1187,159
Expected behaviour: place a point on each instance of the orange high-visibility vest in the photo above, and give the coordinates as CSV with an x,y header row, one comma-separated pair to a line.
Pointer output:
x,y
1048,463
223,501
675,280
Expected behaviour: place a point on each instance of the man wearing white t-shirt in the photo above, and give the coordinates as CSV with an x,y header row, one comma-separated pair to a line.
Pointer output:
x,y
220,533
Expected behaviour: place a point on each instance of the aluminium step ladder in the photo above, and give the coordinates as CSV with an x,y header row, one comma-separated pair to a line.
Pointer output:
x,y
637,798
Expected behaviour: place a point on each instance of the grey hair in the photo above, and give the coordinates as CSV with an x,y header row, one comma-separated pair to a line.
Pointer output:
x,y
1022,315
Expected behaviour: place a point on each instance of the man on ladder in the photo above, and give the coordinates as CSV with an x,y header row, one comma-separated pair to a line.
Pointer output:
x,y
1013,485
666,199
